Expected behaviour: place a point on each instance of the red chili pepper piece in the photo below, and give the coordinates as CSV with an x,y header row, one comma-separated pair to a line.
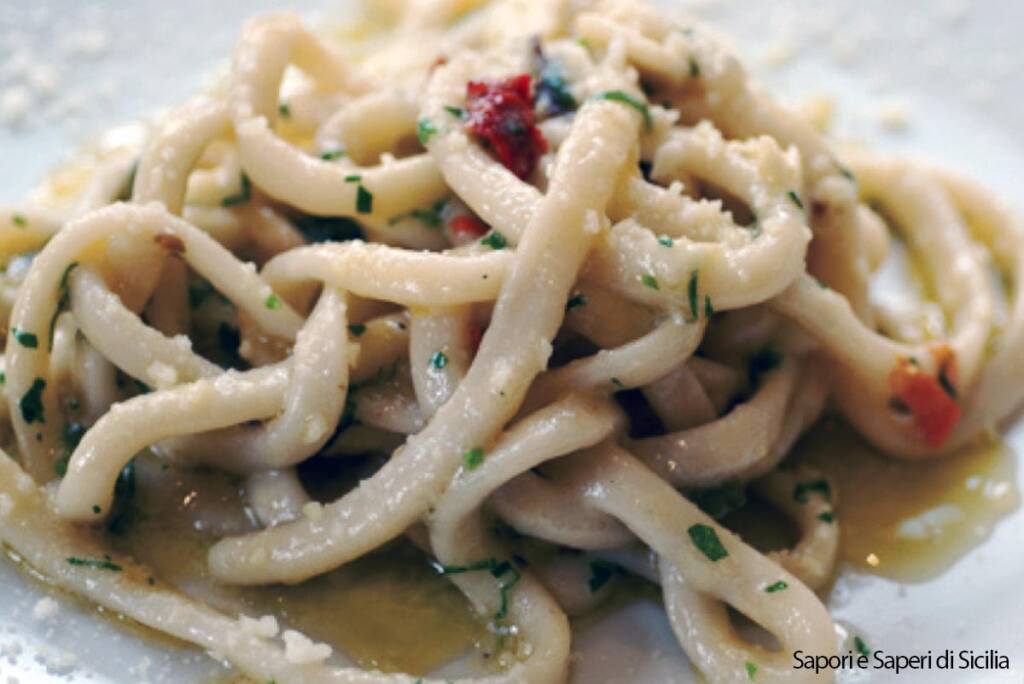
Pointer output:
x,y
466,228
500,114
934,408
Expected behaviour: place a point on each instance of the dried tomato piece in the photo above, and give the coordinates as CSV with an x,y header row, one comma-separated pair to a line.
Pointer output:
x,y
931,400
500,114
466,228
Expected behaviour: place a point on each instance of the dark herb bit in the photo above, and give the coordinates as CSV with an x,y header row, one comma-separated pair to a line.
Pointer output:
x,y
861,647
357,329
431,215
847,173
96,509
353,178
707,542
3,378
722,500
273,302
764,361
709,310
438,360
284,110
776,586
618,383
827,517
691,292
802,489
578,299
600,572
796,199
497,570
650,281
333,154
627,99
364,200
494,240
473,458
242,197
457,112
151,581
63,298
19,220
751,670
104,564
25,339
694,68
31,403
666,241
946,384
425,131
553,95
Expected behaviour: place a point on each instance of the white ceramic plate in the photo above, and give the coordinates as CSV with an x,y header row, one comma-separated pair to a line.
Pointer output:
x,y
950,70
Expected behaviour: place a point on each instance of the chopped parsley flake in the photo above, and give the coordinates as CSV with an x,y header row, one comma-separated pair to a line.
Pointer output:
x,y
709,310
618,383
96,509
578,299
457,112
498,570
242,197
694,68
63,298
473,458
600,573
802,489
707,542
495,240
751,670
19,220
104,564
25,339
353,178
273,302
32,402
827,516
333,154
425,131
847,173
627,99
438,360
3,378
861,647
357,329
666,241
691,291
796,199
431,215
284,110
777,586
650,281
364,200
552,90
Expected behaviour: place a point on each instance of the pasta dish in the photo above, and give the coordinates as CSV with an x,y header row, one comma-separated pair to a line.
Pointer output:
x,y
527,295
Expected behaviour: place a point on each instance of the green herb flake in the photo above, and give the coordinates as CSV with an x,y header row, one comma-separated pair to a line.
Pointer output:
x,y
353,178
25,339
709,310
3,378
19,220
827,517
242,197
707,542
284,110
577,300
273,302
627,99
796,199
861,647
431,215
694,68
96,509
722,500
364,200
494,240
457,112
846,172
438,360
357,329
31,403
691,291
751,670
104,564
497,569
666,241
618,383
63,298
425,131
473,458
803,489
650,281
600,573
777,586
333,154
